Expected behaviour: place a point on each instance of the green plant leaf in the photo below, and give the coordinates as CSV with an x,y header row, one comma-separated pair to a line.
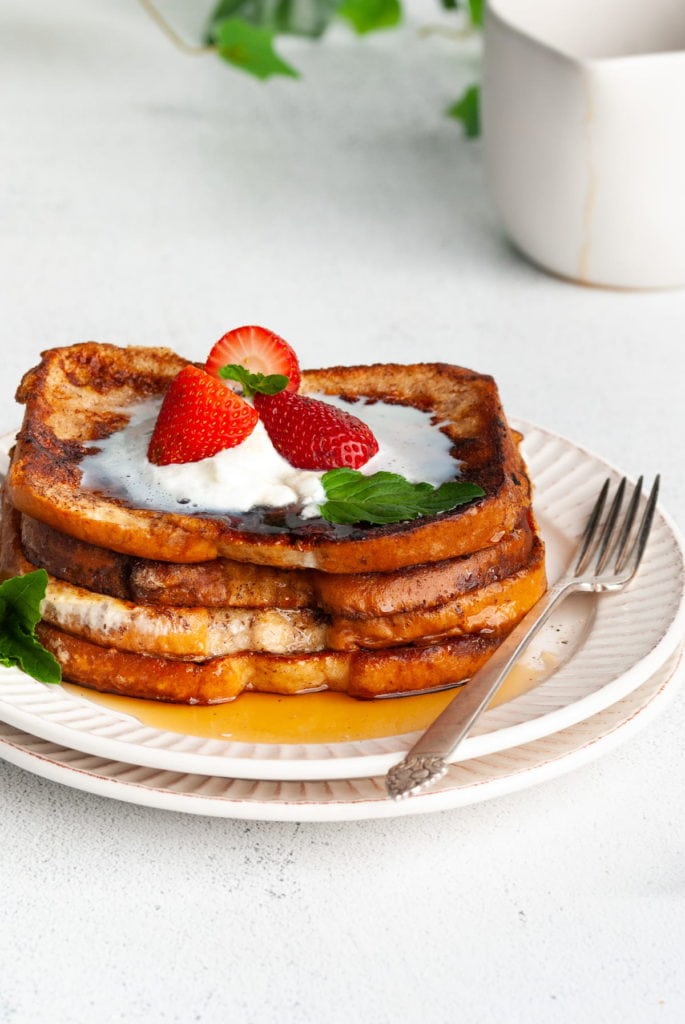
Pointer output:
x,y
20,601
467,110
370,15
291,17
250,48
476,12
383,497
265,384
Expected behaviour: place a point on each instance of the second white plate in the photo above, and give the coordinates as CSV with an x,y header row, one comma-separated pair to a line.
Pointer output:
x,y
350,799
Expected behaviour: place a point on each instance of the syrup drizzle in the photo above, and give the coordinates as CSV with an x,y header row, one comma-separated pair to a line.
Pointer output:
x,y
323,717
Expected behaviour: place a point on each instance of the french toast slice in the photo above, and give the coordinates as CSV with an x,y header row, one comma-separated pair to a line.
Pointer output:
x,y
223,583
197,633
363,674
83,393
201,632
491,610
220,583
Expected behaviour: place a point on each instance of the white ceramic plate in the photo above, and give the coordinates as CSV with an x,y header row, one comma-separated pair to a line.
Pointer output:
x,y
602,650
349,799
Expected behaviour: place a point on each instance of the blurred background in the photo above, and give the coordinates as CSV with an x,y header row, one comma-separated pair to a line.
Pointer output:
x,y
152,196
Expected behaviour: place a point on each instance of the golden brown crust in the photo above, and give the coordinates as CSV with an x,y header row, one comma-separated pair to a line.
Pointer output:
x,y
194,632
209,632
200,632
77,394
360,674
428,585
219,583
223,583
492,610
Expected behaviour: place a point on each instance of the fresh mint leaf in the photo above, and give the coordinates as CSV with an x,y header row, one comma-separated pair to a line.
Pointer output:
x,y
384,497
467,110
26,651
370,15
20,601
265,384
250,47
21,597
289,17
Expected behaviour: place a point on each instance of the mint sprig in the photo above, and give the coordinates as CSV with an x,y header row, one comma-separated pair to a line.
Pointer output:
x,y
265,384
384,497
20,600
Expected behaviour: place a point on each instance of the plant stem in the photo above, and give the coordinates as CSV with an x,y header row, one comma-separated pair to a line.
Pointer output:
x,y
172,35
459,34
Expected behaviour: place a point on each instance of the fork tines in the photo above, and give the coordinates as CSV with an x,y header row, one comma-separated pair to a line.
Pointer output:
x,y
607,538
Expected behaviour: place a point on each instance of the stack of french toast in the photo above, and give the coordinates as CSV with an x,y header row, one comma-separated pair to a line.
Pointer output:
x,y
197,608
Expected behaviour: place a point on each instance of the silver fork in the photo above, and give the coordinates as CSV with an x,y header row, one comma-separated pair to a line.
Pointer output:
x,y
609,554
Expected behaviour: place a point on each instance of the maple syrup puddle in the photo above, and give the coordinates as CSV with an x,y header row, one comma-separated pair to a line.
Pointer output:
x,y
323,717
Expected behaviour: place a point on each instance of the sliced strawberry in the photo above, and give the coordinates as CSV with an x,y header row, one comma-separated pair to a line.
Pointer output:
x,y
315,435
259,351
199,417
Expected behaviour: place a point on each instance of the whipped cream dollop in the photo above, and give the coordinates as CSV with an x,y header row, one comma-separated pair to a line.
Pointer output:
x,y
253,474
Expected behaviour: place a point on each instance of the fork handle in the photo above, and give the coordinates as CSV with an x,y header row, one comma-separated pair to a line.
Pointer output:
x,y
444,735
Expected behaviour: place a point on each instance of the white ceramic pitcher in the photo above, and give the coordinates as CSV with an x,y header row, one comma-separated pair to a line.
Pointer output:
x,y
584,133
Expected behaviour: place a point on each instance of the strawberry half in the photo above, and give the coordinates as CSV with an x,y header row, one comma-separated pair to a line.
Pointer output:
x,y
315,435
199,417
259,351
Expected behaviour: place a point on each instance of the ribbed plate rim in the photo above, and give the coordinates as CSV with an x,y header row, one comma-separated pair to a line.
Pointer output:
x,y
354,799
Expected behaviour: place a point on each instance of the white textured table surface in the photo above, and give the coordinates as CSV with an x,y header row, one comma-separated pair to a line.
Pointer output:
x,y
149,197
